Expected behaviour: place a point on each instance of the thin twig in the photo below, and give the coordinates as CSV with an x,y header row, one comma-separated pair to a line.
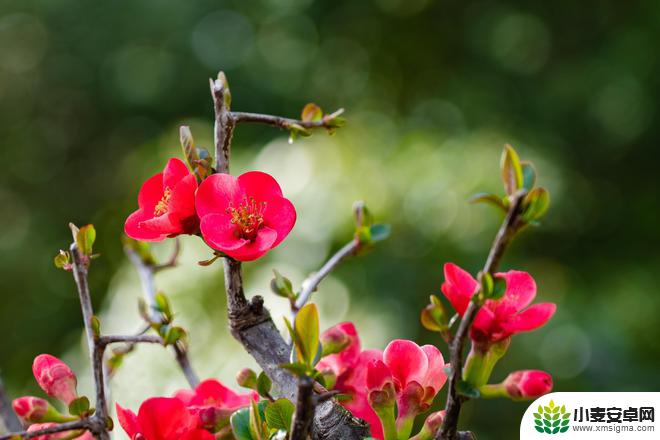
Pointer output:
x,y
250,322
88,423
130,339
505,234
146,272
9,418
285,123
98,423
301,425
312,282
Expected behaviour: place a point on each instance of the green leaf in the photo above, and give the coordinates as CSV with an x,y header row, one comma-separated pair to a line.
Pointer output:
x,y
466,389
279,414
96,326
307,329
79,407
499,288
537,415
539,429
564,429
264,384
282,286
188,146
162,304
311,113
512,174
257,428
380,232
535,204
173,335
62,260
434,316
240,424
529,175
489,198
296,368
85,239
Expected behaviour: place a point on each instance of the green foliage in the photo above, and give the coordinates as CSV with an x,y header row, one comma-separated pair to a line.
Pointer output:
x,y
279,414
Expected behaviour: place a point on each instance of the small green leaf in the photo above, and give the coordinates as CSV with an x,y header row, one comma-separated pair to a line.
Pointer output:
x,y
499,288
512,174
487,285
311,113
380,232
434,316
85,239
62,260
258,430
79,407
296,368
264,384
162,305
529,175
173,335
535,204
307,329
489,198
96,326
564,429
279,414
282,286
240,424
538,428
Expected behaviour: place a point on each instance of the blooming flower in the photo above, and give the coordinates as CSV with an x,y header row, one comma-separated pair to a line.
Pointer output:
x,y
244,216
166,205
528,384
162,418
213,402
497,319
55,378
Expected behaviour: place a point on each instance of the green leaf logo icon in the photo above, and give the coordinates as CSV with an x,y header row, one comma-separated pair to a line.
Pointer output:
x,y
552,419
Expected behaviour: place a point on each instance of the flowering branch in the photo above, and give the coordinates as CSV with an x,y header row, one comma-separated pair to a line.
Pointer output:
x,y
147,270
9,418
511,224
249,321
99,421
61,427
311,283
326,121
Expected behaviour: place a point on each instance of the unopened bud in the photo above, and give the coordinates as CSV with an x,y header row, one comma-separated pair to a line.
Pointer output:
x,y
247,378
334,340
55,378
528,384
30,409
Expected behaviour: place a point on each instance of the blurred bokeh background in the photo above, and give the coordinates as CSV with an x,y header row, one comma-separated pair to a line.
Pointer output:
x,y
92,94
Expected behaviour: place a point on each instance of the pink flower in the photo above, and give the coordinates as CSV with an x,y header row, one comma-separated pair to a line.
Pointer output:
x,y
55,378
166,205
58,435
528,384
244,216
350,366
31,409
162,418
213,403
417,372
497,319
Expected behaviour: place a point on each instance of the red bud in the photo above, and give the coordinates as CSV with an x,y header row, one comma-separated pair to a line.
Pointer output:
x,y
55,378
30,409
528,384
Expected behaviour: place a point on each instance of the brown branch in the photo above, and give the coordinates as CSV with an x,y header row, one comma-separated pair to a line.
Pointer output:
x,y
312,282
98,423
284,123
146,272
130,339
87,424
9,418
301,426
511,224
250,322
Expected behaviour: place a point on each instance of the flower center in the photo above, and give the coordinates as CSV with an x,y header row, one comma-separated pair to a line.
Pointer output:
x,y
161,206
248,217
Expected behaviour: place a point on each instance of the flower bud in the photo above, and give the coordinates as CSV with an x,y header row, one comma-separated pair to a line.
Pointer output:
x,y
247,378
55,378
431,426
334,340
528,384
30,409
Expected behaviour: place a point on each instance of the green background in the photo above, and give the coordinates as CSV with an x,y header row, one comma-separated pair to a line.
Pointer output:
x,y
92,94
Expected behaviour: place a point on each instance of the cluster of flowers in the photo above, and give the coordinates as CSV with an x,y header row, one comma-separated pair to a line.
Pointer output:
x,y
243,217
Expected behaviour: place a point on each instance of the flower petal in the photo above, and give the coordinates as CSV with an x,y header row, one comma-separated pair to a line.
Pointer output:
x,y
531,318
163,418
378,375
251,250
174,171
260,185
338,363
197,434
151,192
483,322
213,393
166,224
219,232
407,362
132,227
435,376
182,199
520,289
128,420
458,288
216,193
280,215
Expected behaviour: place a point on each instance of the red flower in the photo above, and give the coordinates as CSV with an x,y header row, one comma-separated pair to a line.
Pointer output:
x,y
213,402
55,378
497,319
244,216
167,205
162,418
528,384
417,372
350,366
